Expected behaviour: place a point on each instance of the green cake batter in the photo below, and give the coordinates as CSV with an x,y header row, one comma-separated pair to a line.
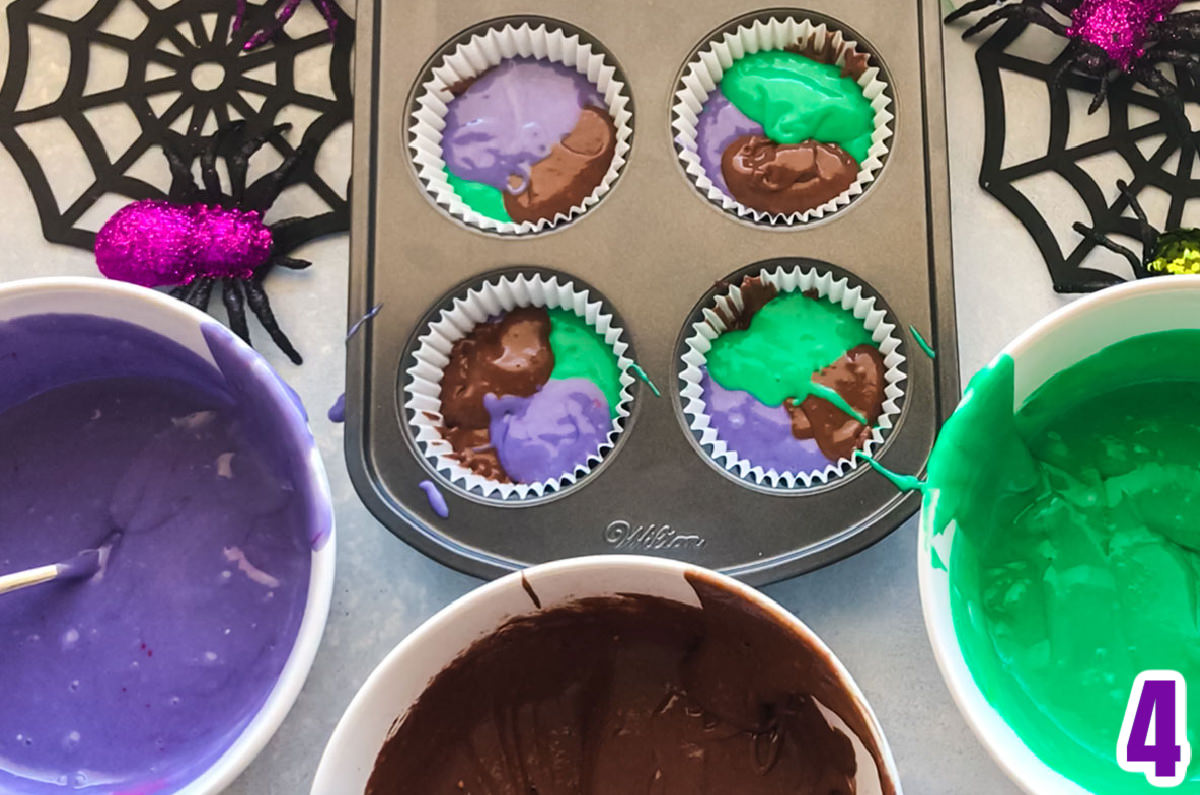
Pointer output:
x,y
1076,563
483,199
579,352
789,339
796,99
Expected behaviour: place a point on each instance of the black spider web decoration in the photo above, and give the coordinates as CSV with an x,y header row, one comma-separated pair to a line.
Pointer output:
x,y
1065,264
162,57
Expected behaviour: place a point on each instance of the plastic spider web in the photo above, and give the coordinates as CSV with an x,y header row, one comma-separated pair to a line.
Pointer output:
x,y
93,88
1131,137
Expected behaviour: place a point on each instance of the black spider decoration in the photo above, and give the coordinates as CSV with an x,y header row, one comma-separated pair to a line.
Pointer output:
x,y
1109,38
1173,252
198,237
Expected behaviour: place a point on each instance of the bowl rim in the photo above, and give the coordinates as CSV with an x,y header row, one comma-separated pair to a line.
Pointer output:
x,y
267,720
1001,742
582,570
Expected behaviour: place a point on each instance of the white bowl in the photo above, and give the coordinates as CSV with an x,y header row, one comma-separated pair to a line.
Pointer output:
x,y
183,324
1058,341
403,675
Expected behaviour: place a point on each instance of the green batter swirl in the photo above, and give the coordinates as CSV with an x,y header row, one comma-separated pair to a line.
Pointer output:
x,y
797,99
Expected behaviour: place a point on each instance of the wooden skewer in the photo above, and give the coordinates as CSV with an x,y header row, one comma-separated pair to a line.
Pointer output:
x,y
83,565
23,579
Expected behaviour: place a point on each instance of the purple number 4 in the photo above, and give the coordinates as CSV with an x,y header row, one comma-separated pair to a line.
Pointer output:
x,y
1158,706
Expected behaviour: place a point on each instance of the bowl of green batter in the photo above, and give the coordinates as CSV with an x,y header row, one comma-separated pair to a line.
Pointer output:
x,y
1059,552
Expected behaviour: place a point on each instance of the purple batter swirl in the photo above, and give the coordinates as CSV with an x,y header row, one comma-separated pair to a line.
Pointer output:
x,y
720,123
758,433
549,434
509,119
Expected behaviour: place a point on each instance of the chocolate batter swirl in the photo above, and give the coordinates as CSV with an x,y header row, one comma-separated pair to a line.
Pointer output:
x,y
511,356
569,174
857,377
786,178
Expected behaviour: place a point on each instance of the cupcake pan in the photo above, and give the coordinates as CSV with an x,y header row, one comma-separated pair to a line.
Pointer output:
x,y
653,248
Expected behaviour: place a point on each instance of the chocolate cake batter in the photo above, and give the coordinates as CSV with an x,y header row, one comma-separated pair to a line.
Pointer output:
x,y
572,170
858,378
786,178
632,695
511,356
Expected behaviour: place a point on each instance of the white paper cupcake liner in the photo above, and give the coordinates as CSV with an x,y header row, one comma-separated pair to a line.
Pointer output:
x,y
480,53
702,76
838,291
423,389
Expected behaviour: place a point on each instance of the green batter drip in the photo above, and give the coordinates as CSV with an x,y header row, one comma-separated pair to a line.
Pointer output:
x,y
925,346
579,352
483,199
834,397
1076,562
789,339
796,99
901,482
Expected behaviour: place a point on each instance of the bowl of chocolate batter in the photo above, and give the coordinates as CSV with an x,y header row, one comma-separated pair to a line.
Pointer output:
x,y
610,674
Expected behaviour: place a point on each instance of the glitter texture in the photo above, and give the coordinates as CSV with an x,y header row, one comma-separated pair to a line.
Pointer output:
x,y
285,13
1118,27
155,243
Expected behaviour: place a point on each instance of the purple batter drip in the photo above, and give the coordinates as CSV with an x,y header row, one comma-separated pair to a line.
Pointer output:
x,y
138,679
509,119
720,123
758,433
547,435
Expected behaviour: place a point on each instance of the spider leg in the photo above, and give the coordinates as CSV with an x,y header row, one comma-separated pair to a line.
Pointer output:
x,y
238,161
327,11
200,297
1103,240
183,187
266,189
293,264
208,167
239,15
1031,14
235,308
260,305
1154,80
1101,94
970,8
1064,7
270,31
1175,55
1147,232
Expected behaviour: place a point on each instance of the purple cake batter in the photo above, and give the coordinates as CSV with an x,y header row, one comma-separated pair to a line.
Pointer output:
x,y
757,432
137,680
720,123
511,117
547,435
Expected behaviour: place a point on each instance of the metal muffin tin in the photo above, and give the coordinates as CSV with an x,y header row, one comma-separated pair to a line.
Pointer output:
x,y
653,247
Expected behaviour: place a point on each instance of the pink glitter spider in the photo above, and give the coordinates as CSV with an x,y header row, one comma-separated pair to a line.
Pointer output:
x,y
286,12
1109,38
199,238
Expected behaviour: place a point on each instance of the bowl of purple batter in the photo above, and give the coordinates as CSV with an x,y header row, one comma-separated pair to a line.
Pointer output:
x,y
171,668
610,674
